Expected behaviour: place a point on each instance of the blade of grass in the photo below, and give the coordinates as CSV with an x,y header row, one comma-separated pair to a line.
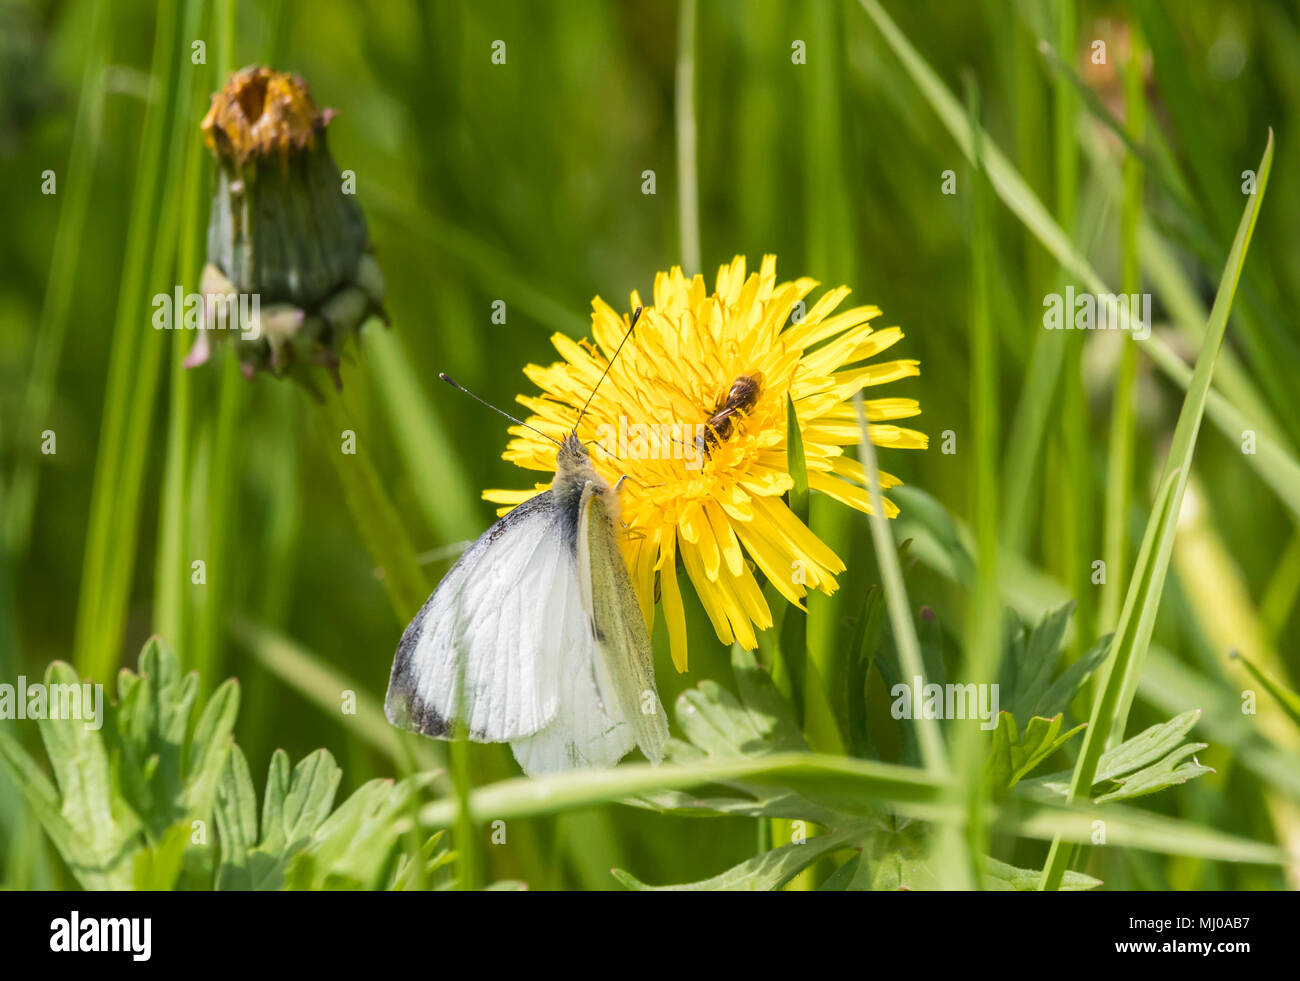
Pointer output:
x,y
868,783
1137,619
60,288
1263,331
324,685
171,569
136,351
831,250
891,579
688,203
493,268
216,545
1279,600
1273,464
1077,484
984,619
865,780
1166,271
1286,698
439,480
1123,425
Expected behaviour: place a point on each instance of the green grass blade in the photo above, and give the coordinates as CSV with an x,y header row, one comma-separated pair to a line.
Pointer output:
x,y
1123,425
866,781
984,620
891,579
324,686
493,268
136,352
1288,699
1274,465
688,195
441,484
1137,619
60,289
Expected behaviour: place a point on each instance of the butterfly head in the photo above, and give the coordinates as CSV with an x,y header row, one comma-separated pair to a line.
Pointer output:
x,y
573,469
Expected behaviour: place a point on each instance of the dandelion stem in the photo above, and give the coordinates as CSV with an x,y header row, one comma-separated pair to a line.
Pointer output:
x,y
376,519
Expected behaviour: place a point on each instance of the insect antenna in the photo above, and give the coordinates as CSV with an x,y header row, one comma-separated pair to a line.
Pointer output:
x,y
518,422
636,315
596,442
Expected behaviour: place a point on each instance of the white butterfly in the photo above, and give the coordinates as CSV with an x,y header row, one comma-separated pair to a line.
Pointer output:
x,y
535,636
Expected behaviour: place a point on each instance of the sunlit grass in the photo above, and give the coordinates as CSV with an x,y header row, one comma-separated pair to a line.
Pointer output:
x,y
522,184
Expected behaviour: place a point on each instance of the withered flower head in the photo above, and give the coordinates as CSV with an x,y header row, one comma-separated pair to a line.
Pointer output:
x,y
288,268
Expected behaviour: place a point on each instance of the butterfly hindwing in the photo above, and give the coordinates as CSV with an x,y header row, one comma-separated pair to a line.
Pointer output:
x,y
586,731
627,657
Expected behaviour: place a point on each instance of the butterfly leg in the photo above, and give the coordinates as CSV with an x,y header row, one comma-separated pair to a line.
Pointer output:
x,y
618,484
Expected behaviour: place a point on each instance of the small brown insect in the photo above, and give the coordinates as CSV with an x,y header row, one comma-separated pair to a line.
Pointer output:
x,y
741,397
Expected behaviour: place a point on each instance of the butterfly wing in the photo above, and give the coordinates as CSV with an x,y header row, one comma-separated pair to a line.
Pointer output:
x,y
587,731
625,673
487,645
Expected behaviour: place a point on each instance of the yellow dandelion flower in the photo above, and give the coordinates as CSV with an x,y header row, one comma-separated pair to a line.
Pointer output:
x,y
693,413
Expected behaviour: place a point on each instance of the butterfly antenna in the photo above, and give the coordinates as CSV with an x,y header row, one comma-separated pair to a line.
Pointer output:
x,y
636,315
597,443
518,422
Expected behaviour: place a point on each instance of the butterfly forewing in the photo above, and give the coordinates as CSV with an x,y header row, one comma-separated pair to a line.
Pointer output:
x,y
586,731
488,646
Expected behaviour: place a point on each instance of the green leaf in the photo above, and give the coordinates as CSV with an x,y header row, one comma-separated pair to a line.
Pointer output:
x,y
769,712
356,846
1146,747
896,859
847,878
714,722
1026,880
101,825
437,859
236,817
158,866
1164,773
1143,765
1013,756
99,860
1028,666
294,808
768,871
1063,689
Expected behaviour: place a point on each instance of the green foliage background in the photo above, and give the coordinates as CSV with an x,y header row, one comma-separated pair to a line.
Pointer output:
x,y
523,182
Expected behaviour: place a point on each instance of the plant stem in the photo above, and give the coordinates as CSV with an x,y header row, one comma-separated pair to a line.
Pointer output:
x,y
376,519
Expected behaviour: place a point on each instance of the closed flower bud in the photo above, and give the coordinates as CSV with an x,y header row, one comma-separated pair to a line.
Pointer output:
x,y
282,233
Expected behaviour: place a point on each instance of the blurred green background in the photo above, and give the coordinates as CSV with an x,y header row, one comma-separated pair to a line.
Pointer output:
x,y
523,182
